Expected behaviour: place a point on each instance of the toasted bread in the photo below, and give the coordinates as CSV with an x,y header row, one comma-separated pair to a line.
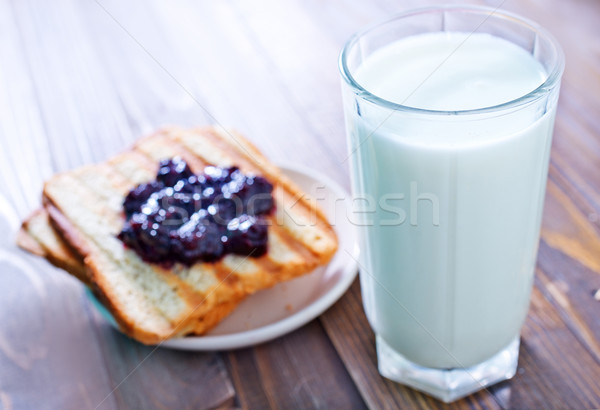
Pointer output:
x,y
82,215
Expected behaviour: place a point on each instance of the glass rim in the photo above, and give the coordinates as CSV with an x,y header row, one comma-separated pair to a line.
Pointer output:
x,y
553,77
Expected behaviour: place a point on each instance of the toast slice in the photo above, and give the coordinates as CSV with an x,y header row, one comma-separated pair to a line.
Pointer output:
x,y
83,210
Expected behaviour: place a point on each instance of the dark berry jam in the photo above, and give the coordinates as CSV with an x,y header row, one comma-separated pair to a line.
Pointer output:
x,y
182,217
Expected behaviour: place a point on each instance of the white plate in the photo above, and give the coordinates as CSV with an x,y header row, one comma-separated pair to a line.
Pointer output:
x,y
285,307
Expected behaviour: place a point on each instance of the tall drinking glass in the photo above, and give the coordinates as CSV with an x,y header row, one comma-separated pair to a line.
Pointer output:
x,y
449,116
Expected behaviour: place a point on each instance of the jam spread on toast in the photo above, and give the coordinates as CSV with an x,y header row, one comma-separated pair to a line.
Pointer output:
x,y
188,218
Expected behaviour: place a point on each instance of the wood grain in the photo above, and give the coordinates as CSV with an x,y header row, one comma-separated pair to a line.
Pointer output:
x,y
144,377
48,353
80,80
300,370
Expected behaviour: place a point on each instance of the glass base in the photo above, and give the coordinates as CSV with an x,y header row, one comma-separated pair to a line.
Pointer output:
x,y
448,385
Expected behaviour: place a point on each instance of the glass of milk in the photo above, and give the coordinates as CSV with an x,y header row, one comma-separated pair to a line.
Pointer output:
x,y
449,116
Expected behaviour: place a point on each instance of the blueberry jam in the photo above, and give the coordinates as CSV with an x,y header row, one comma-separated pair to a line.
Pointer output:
x,y
182,217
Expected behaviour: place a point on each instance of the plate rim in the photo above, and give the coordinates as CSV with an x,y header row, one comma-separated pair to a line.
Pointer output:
x,y
251,337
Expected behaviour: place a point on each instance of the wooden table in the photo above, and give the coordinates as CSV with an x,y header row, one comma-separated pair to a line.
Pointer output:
x,y
80,80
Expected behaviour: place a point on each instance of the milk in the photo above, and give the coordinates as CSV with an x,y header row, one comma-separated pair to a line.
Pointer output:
x,y
451,203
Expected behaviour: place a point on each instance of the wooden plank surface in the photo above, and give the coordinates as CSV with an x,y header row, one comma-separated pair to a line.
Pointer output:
x,y
81,79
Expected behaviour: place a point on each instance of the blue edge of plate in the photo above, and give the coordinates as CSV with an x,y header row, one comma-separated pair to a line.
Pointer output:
x,y
100,307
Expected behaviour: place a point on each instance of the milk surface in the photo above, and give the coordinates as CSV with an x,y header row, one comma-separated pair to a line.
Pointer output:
x,y
453,202
450,71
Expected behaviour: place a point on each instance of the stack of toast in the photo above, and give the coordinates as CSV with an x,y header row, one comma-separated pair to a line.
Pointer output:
x,y
76,229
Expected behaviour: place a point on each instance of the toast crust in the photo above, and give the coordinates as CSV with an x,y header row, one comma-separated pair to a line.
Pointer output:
x,y
38,236
28,243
